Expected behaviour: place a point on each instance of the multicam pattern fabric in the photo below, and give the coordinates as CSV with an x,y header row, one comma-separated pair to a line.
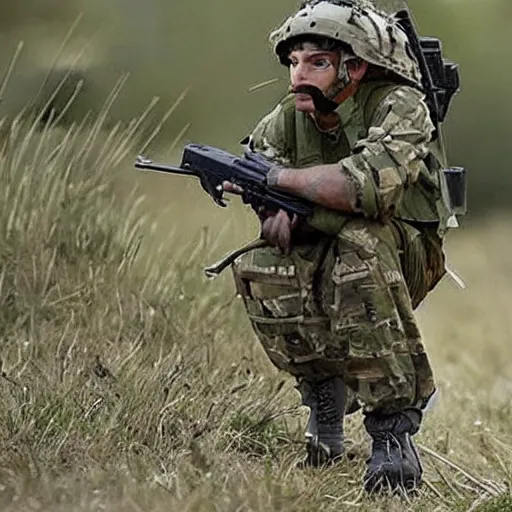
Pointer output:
x,y
391,157
342,306
270,136
381,143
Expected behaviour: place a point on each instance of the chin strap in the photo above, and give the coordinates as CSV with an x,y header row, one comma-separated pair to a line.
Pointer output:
x,y
346,93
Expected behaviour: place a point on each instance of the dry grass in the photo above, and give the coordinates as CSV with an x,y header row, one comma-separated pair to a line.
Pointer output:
x,y
129,382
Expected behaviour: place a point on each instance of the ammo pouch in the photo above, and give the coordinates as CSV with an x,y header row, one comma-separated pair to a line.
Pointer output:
x,y
455,178
421,257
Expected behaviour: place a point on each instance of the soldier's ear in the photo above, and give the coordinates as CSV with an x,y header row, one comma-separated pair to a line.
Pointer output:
x,y
357,68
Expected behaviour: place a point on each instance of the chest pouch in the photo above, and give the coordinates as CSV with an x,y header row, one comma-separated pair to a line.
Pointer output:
x,y
457,189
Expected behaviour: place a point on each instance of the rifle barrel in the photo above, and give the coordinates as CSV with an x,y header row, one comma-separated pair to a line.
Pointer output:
x,y
149,165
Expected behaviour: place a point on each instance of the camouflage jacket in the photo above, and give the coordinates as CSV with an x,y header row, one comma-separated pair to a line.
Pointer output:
x,y
383,144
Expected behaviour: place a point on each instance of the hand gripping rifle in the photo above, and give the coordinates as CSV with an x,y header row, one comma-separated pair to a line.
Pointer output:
x,y
213,166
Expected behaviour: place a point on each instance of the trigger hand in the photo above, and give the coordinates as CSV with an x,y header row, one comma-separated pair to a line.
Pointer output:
x,y
227,186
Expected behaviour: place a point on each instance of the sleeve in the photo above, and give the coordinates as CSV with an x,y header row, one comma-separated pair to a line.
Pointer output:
x,y
390,158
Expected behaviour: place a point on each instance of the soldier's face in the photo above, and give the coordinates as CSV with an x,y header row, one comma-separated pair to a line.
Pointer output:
x,y
310,66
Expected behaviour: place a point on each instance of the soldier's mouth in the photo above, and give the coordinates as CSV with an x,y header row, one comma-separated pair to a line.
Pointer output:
x,y
322,104
303,97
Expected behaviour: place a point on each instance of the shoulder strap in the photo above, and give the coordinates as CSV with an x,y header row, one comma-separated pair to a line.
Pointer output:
x,y
371,95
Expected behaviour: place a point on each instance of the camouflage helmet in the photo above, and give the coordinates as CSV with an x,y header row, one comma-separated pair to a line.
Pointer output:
x,y
372,35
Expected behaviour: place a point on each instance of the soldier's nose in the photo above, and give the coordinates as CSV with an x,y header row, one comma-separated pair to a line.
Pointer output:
x,y
300,74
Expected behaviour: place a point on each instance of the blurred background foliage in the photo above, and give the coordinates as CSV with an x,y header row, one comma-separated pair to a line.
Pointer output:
x,y
218,50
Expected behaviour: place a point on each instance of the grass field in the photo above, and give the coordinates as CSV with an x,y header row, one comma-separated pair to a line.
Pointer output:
x,y
129,382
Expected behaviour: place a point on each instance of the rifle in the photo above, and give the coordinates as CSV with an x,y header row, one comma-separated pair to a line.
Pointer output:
x,y
439,77
440,80
213,166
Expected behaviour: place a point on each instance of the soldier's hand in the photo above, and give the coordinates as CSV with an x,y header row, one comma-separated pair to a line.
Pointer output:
x,y
277,229
227,186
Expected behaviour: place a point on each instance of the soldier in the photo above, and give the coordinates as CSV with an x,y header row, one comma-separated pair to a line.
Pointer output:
x,y
332,297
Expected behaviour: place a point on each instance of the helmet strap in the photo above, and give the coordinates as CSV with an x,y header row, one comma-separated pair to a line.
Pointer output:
x,y
346,93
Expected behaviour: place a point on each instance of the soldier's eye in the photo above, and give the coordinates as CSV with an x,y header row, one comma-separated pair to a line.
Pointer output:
x,y
321,63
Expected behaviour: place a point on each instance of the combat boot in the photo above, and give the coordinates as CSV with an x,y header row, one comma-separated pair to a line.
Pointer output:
x,y
394,463
324,433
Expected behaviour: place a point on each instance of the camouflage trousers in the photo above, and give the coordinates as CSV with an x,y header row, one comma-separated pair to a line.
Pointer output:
x,y
343,307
